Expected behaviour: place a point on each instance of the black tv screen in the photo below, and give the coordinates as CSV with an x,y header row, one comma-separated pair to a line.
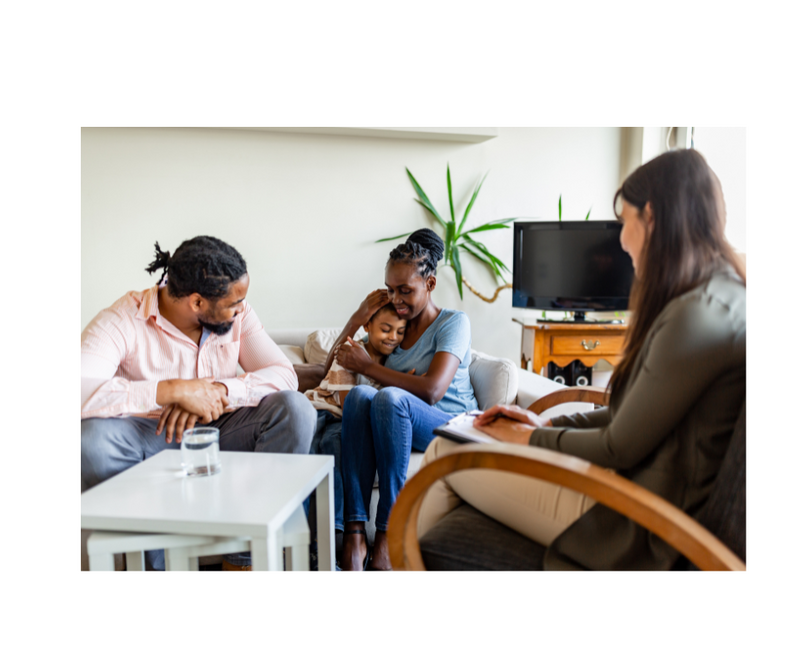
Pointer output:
x,y
570,265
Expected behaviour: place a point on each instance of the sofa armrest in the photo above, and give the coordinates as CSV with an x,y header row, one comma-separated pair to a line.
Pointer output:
x,y
309,375
532,387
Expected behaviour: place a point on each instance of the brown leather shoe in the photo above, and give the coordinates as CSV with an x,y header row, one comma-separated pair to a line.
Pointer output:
x,y
227,566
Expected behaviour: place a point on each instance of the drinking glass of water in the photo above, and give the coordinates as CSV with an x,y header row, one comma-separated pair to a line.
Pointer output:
x,y
200,451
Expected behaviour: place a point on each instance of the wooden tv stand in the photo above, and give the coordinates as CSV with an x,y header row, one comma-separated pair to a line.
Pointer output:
x,y
563,343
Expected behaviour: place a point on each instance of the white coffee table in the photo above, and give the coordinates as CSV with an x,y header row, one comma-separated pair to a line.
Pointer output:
x,y
253,495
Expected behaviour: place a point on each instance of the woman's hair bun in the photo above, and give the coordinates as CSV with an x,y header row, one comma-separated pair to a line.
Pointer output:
x,y
427,238
423,248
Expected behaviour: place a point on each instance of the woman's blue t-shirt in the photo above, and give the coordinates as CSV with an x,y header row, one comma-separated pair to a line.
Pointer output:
x,y
449,332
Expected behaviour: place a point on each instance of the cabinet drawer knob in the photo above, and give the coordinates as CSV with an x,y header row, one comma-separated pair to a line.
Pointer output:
x,y
589,346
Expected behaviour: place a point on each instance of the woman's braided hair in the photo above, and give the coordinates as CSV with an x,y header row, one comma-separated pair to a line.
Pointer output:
x,y
202,265
423,248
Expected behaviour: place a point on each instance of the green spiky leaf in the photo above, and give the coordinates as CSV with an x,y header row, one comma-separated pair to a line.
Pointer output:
x,y
423,198
489,263
559,207
481,247
471,202
449,239
432,211
502,223
396,237
457,267
486,261
588,213
450,194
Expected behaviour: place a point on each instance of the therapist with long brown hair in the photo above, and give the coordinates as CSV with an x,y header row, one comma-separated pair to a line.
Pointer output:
x,y
674,397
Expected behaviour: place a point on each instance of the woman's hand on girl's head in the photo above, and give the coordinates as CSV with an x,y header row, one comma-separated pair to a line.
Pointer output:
x,y
353,357
370,305
512,412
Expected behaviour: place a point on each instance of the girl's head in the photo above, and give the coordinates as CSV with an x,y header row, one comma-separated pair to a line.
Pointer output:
x,y
385,330
673,217
411,272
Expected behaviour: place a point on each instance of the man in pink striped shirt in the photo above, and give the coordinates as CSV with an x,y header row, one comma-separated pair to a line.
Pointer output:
x,y
158,361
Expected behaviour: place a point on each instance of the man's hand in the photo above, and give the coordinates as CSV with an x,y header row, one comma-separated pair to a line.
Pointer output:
x,y
353,357
176,420
204,397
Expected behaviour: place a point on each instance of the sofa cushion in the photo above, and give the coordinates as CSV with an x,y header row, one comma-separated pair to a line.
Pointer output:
x,y
495,380
467,540
294,353
319,343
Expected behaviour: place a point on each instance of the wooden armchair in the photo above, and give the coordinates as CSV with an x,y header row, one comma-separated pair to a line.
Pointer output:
x,y
693,540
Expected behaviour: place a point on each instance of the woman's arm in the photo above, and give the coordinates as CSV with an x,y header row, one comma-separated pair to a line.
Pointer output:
x,y
509,423
369,306
430,387
692,347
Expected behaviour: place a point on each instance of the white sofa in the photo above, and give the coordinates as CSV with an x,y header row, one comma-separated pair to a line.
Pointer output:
x,y
495,380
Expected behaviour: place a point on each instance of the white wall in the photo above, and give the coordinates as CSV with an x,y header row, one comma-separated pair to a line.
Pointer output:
x,y
724,149
305,210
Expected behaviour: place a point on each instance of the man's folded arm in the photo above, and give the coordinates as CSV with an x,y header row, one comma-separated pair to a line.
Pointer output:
x,y
266,367
103,395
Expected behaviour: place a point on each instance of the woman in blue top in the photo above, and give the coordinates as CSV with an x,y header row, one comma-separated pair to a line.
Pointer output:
x,y
425,382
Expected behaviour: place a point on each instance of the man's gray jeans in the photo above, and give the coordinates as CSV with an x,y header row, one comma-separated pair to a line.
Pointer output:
x,y
284,422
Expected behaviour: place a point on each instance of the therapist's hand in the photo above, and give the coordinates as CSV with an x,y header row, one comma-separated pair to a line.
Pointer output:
x,y
507,430
512,412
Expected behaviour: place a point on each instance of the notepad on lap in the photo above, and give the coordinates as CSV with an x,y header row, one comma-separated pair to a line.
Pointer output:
x,y
460,429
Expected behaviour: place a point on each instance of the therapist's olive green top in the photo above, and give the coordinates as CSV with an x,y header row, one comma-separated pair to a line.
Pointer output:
x,y
669,431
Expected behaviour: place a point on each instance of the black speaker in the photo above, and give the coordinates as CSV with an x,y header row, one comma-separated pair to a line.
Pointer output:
x,y
574,374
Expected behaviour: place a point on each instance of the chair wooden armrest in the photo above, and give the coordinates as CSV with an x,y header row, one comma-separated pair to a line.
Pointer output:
x,y
596,395
652,512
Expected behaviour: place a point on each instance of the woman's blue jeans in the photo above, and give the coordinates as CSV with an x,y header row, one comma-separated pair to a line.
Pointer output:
x,y
379,430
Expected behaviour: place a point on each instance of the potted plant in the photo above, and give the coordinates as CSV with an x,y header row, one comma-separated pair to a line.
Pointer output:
x,y
457,240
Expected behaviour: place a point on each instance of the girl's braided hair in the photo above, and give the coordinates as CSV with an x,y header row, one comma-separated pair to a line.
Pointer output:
x,y
423,249
202,265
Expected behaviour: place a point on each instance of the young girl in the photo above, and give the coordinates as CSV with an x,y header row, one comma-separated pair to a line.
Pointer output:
x,y
385,331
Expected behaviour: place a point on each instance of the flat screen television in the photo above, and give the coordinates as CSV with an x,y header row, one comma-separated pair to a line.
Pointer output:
x,y
576,266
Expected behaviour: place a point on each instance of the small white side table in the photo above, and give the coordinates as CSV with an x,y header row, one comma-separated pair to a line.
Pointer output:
x,y
182,553
253,497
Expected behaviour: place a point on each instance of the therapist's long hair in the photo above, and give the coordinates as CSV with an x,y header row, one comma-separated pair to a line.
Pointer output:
x,y
685,247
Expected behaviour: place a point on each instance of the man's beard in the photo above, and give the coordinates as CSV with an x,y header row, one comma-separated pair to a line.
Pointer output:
x,y
217,328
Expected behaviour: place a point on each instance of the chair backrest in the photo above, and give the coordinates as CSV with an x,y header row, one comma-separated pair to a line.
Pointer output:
x,y
725,512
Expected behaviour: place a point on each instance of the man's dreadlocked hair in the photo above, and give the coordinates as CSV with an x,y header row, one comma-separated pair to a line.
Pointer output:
x,y
202,265
423,248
